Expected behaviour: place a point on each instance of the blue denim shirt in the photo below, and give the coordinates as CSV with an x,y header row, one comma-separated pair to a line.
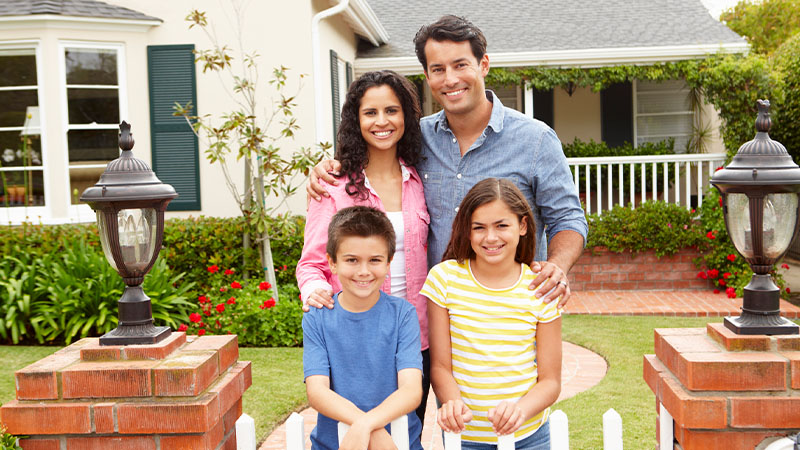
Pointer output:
x,y
512,146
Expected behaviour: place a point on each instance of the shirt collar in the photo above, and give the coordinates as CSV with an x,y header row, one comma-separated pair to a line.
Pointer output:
x,y
403,170
495,121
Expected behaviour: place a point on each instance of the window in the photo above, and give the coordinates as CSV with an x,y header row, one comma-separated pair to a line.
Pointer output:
x,y
663,110
341,77
93,108
21,167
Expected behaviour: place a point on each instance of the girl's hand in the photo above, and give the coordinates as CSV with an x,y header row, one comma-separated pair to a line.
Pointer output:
x,y
318,299
506,418
453,415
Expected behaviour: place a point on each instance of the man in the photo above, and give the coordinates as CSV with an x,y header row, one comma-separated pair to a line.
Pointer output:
x,y
476,137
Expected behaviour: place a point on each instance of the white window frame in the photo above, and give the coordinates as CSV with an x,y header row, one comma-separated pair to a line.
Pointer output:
x,y
636,114
82,212
18,214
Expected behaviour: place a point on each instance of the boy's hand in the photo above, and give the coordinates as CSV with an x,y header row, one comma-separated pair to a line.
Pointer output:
x,y
453,415
318,299
506,418
322,170
380,439
357,437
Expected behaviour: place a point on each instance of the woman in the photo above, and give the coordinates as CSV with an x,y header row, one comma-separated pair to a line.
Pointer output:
x,y
378,145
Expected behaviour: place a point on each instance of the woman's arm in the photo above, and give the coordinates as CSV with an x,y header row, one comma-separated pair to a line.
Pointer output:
x,y
313,273
454,413
507,417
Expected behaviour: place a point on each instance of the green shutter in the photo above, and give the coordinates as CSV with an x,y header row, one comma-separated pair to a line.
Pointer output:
x,y
337,110
349,75
176,158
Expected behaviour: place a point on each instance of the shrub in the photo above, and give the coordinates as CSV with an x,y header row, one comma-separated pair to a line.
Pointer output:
x,y
247,308
659,226
7,441
785,126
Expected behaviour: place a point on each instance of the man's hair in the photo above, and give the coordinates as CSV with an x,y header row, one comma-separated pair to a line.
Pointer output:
x,y
487,191
359,221
449,28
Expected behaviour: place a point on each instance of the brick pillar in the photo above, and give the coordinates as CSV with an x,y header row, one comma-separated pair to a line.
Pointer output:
x,y
182,393
725,390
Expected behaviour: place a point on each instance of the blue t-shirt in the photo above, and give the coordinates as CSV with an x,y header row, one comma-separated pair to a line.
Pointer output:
x,y
361,353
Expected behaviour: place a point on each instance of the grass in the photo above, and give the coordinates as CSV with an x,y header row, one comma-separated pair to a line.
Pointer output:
x,y
278,387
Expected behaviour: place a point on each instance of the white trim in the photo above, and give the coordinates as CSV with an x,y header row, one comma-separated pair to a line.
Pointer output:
x,y
364,22
529,100
94,23
587,58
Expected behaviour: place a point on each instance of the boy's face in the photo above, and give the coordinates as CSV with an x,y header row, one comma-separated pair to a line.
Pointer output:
x,y
455,76
361,265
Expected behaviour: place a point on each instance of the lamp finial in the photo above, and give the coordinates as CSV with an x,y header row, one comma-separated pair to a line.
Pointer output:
x,y
763,122
125,136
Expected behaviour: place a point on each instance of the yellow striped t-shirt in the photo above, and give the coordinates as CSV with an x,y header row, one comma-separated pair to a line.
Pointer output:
x,y
493,341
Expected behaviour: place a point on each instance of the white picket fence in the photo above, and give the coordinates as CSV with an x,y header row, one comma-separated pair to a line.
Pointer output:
x,y
559,432
604,182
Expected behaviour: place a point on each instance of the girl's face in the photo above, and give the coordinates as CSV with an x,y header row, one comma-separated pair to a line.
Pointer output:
x,y
494,233
381,118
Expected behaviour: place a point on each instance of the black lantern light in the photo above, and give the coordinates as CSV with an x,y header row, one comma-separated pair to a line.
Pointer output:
x,y
760,203
130,201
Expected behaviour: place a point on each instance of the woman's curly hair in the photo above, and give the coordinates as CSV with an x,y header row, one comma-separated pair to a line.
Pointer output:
x,y
351,148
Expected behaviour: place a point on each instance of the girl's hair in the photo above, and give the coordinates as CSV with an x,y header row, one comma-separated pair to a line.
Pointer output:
x,y
487,191
351,148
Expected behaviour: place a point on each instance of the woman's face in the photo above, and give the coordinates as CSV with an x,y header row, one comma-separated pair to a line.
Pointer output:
x,y
381,118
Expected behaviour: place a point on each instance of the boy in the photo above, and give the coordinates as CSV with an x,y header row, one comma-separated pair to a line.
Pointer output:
x,y
361,359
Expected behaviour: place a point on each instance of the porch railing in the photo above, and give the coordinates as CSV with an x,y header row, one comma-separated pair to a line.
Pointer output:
x,y
603,182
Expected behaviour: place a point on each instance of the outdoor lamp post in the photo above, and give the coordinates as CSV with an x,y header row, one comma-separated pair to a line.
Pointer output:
x,y
760,202
130,201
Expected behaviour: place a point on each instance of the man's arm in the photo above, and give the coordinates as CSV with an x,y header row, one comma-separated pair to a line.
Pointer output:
x,y
562,251
322,170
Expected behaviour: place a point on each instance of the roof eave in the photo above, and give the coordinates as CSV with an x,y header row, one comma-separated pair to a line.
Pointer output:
x,y
364,22
42,20
585,58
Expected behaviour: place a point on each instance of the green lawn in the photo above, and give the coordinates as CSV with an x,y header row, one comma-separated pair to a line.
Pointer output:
x,y
278,387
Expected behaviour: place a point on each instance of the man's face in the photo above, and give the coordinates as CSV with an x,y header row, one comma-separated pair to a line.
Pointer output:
x,y
455,76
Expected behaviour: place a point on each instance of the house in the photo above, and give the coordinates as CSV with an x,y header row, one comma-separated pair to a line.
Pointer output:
x,y
71,70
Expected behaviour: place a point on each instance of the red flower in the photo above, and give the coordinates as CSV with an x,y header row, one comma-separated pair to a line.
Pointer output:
x,y
785,266
201,332
710,235
220,308
716,291
719,168
236,285
183,327
269,303
720,201
788,291
731,292
228,271
213,269
702,275
262,306
726,275
231,301
218,324
264,286
731,257
207,312
285,267
722,282
222,289
194,317
713,273
202,299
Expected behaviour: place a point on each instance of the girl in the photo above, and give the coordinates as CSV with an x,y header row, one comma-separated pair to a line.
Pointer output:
x,y
495,346
378,143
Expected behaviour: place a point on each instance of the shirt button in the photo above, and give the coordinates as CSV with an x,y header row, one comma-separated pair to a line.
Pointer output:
x,y
458,176
454,140
456,208
426,176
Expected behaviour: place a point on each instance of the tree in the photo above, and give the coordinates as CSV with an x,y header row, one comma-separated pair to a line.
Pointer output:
x,y
766,24
786,127
252,136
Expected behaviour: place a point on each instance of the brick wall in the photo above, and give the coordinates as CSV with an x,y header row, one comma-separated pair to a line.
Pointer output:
x,y
600,269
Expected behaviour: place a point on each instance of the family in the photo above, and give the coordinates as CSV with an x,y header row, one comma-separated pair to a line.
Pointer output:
x,y
436,254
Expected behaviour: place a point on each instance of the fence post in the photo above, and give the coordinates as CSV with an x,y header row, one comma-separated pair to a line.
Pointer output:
x,y
295,432
612,430
452,441
559,430
245,433
665,429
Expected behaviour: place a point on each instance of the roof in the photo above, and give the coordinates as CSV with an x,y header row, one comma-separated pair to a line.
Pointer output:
x,y
77,8
525,26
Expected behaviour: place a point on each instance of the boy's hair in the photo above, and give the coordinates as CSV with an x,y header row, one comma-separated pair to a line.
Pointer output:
x,y
487,191
351,148
449,28
359,221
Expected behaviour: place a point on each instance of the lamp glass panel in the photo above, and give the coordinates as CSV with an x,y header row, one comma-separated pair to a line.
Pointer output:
x,y
738,218
137,235
105,242
780,217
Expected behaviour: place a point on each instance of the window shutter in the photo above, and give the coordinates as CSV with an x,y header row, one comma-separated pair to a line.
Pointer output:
x,y
349,75
616,114
543,106
171,75
335,95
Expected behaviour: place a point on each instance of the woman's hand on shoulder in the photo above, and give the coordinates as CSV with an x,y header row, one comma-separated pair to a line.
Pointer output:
x,y
318,299
453,415
322,171
506,417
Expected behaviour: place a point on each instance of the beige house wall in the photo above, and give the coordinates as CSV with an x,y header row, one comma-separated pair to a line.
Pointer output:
x,y
576,116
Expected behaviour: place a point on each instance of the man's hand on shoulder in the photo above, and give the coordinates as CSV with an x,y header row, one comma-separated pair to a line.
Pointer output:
x,y
552,281
323,171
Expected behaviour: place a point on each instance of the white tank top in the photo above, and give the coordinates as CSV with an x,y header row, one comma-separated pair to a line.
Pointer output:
x,y
397,269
